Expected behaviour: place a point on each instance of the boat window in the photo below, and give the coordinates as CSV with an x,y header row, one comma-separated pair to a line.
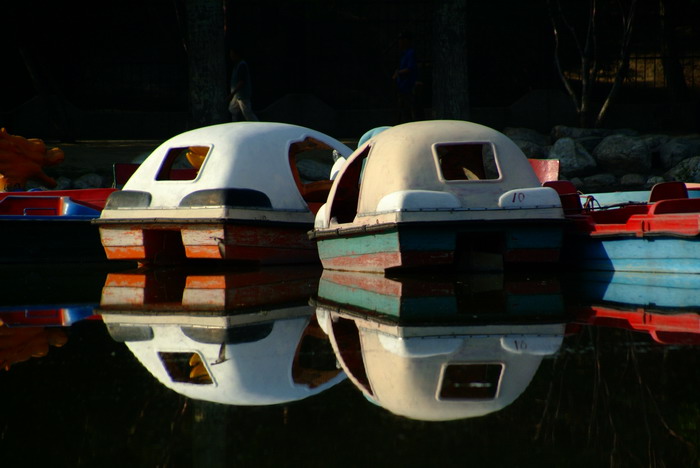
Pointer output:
x,y
311,161
467,161
470,381
347,194
186,368
182,163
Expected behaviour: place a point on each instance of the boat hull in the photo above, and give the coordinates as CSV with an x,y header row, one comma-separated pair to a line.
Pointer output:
x,y
182,240
466,246
651,254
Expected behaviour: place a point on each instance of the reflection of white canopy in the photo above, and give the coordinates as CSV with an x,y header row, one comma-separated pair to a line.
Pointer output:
x,y
406,374
256,371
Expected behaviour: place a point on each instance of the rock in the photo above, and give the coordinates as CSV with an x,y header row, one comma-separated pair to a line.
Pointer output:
x,y
624,131
589,142
600,183
653,180
562,131
532,150
654,142
630,181
618,153
527,134
578,183
573,158
63,183
88,181
687,170
677,149
34,185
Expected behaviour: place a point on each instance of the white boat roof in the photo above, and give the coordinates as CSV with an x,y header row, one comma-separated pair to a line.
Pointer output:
x,y
251,372
408,158
243,155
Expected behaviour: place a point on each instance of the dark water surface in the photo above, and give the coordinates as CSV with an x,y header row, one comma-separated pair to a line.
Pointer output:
x,y
285,367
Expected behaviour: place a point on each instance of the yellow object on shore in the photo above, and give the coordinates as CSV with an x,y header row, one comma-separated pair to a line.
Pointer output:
x,y
22,159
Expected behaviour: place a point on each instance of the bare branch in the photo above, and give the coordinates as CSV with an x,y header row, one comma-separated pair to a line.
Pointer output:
x,y
557,62
628,26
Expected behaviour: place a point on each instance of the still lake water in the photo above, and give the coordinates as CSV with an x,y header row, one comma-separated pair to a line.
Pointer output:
x,y
292,367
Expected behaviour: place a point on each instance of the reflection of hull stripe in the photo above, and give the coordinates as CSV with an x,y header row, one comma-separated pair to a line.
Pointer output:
x,y
383,260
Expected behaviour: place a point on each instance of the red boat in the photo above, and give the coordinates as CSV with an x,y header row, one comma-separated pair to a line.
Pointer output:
x,y
661,235
668,329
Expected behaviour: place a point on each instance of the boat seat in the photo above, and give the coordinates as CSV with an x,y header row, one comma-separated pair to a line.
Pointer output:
x,y
678,205
668,191
570,199
562,187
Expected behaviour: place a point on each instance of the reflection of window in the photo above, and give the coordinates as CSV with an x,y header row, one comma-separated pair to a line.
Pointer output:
x,y
466,161
347,337
186,368
182,163
470,381
314,362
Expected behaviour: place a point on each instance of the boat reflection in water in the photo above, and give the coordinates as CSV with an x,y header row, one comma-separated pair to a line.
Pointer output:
x,y
38,306
470,349
665,306
237,338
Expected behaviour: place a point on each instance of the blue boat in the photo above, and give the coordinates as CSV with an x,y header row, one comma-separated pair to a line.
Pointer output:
x,y
660,235
664,306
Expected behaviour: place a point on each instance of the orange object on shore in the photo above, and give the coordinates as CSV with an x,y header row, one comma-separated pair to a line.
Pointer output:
x,y
22,159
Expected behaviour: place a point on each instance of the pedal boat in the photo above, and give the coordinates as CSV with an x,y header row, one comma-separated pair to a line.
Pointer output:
x,y
233,192
438,193
659,235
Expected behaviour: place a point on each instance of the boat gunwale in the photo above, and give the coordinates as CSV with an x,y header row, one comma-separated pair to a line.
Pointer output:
x,y
358,230
198,221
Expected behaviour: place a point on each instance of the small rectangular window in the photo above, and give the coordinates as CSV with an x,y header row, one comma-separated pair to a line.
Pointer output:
x,y
186,368
467,161
182,163
470,381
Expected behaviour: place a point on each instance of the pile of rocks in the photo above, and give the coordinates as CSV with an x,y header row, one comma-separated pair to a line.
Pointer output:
x,y
602,160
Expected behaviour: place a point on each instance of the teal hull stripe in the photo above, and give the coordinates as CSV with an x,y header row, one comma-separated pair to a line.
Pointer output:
x,y
428,239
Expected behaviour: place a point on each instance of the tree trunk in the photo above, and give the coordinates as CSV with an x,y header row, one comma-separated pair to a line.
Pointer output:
x,y
450,90
206,58
673,70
